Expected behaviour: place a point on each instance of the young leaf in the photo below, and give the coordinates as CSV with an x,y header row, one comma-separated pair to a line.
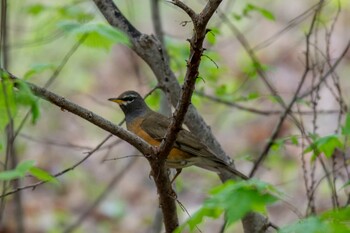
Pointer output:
x,y
310,225
237,199
335,221
42,175
328,144
211,35
7,102
25,97
294,140
24,166
325,145
10,175
264,12
35,9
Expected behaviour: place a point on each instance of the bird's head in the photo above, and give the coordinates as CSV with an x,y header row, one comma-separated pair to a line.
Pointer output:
x,y
131,103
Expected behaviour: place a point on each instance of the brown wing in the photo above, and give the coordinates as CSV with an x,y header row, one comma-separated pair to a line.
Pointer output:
x,y
156,126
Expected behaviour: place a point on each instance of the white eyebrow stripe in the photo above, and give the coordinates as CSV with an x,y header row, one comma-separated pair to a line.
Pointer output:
x,y
129,96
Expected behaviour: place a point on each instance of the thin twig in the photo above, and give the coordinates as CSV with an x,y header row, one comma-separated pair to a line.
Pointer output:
x,y
288,107
35,185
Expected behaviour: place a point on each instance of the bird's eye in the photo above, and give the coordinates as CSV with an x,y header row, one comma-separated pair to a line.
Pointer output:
x,y
129,98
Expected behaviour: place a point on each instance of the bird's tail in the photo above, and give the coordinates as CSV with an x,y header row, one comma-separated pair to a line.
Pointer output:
x,y
236,172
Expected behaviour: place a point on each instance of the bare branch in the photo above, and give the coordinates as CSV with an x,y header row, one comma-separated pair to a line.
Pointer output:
x,y
288,107
186,9
33,186
196,52
327,74
151,51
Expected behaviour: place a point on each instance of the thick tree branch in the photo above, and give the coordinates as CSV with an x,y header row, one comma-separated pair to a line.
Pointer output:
x,y
196,51
166,197
150,50
186,9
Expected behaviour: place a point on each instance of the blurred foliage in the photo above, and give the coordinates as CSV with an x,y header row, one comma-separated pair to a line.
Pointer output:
x,y
325,145
235,199
24,167
46,32
99,35
334,221
250,8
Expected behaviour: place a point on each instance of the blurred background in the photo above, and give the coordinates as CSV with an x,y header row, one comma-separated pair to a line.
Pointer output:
x,y
41,37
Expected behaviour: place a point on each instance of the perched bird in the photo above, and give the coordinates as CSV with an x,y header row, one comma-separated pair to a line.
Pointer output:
x,y
152,126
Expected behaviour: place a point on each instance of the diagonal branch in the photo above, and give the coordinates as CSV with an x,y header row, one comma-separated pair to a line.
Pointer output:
x,y
88,115
150,50
196,51
186,9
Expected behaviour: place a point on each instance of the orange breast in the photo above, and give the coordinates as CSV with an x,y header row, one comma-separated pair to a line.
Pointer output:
x,y
175,156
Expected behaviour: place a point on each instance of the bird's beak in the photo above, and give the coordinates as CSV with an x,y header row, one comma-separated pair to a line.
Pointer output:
x,y
117,100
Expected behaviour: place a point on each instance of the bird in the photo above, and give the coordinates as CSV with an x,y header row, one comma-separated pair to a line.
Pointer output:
x,y
152,126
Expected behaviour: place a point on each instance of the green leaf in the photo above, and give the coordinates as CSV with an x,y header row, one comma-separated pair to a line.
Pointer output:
x,y
24,166
237,199
38,68
35,9
267,14
335,221
278,144
100,35
264,12
309,225
328,144
211,35
346,127
42,175
25,97
294,140
197,218
10,175
325,145
74,13
7,101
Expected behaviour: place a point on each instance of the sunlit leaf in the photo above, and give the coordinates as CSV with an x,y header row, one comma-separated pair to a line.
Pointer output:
x,y
278,144
236,199
42,175
10,175
74,13
25,97
328,144
211,35
264,12
24,166
335,221
7,102
325,145
294,140
310,225
36,8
